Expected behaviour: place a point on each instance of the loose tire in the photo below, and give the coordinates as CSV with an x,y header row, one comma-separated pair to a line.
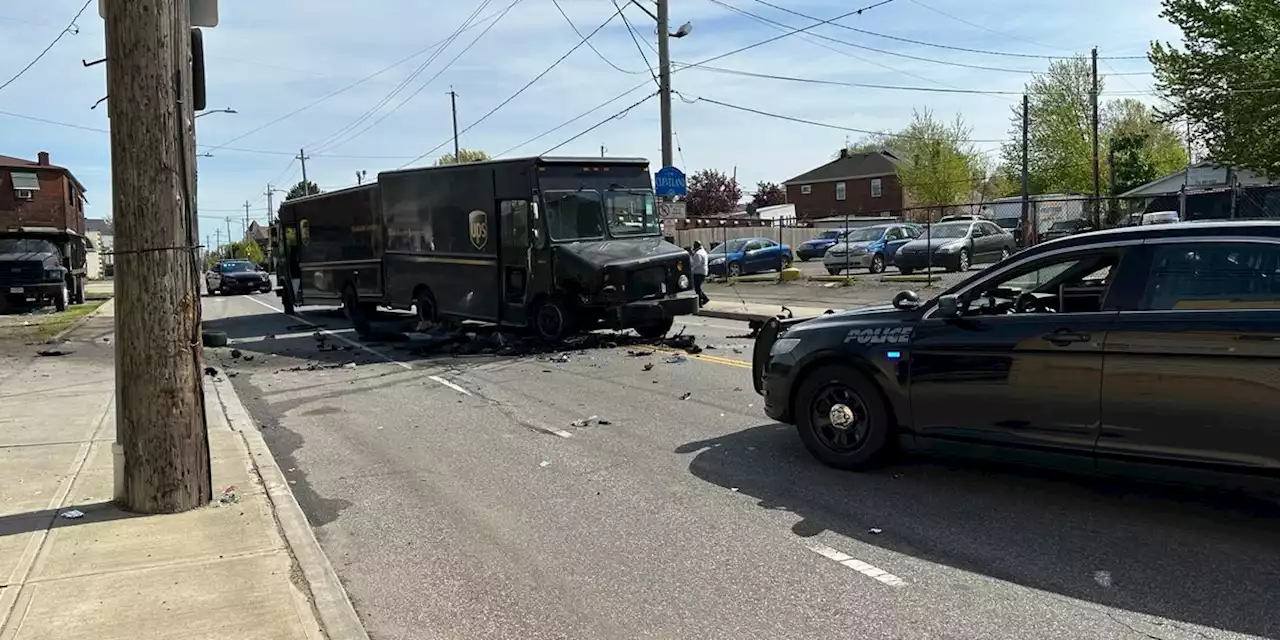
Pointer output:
x,y
842,418
552,320
656,330
877,263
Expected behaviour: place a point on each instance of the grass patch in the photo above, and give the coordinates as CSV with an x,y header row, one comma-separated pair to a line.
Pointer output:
x,y
51,325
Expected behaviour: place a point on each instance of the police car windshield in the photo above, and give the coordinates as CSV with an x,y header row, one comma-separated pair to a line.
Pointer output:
x,y
235,267
574,215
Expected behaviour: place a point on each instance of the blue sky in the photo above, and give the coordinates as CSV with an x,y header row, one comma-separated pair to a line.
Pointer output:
x,y
267,59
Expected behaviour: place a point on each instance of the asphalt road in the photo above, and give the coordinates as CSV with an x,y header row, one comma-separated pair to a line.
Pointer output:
x,y
457,499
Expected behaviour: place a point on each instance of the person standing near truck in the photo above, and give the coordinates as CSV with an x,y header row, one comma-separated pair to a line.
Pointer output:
x,y
699,269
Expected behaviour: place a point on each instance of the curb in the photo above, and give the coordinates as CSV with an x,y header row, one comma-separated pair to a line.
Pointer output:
x,y
338,617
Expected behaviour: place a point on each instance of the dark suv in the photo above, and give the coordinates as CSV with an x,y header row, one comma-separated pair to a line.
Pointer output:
x,y
1153,349
237,276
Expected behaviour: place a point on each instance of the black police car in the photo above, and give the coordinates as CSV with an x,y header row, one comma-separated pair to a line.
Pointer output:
x,y
1153,349
236,276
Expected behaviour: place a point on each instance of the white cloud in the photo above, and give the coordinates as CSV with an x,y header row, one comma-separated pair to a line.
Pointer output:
x,y
269,58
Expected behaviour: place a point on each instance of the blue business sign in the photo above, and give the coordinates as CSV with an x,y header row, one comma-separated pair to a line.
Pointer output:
x,y
669,182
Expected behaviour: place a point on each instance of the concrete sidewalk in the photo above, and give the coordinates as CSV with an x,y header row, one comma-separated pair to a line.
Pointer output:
x,y
755,312
224,571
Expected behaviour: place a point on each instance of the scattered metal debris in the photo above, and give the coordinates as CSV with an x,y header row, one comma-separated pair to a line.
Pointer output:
x,y
248,357
686,395
544,463
639,353
235,354
648,366
229,496
51,353
74,514
349,365
875,531
210,371
675,359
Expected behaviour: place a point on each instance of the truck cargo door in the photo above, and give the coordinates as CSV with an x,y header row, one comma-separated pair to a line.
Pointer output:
x,y
514,259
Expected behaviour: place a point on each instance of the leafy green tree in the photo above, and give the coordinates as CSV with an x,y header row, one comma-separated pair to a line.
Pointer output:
x,y
768,194
941,166
244,250
303,188
464,156
1224,78
1059,138
1143,147
712,192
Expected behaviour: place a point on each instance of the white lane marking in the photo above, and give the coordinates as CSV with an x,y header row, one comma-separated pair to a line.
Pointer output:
x,y
450,385
284,336
871,571
353,343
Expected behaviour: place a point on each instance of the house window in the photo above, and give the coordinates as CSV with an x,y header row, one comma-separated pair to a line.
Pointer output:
x,y
876,188
806,189
840,191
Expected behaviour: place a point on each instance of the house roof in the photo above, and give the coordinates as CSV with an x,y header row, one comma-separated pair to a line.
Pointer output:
x,y
10,162
257,231
856,165
94,224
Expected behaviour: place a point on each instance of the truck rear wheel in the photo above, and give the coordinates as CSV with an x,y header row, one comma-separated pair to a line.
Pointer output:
x,y
552,320
354,311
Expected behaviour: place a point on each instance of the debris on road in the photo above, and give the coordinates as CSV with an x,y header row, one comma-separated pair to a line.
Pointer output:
x,y
686,395
51,353
560,358
210,371
586,422
544,463
875,531
639,353
229,496
303,327
648,366
248,357
235,354
676,359
269,336
349,365
74,514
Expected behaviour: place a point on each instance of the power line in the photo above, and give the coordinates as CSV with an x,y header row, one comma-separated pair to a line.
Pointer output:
x,y
791,32
352,85
861,85
520,90
64,32
589,45
597,125
950,47
403,84
635,37
810,122
575,118
907,56
433,78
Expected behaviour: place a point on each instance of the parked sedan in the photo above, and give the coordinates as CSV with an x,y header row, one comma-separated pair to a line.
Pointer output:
x,y
872,247
956,246
741,256
1148,350
236,276
1064,228
817,247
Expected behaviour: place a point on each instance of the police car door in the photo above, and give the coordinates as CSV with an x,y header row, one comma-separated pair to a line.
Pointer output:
x,y
1029,379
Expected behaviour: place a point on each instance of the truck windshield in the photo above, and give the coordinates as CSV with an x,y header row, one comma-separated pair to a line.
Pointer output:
x,y
574,215
631,213
27,245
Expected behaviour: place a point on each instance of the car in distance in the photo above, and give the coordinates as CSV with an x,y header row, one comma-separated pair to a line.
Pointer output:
x,y
741,256
1143,350
817,247
236,276
872,248
956,246
1064,228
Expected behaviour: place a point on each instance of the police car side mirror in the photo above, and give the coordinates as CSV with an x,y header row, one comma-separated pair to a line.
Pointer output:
x,y
948,306
906,301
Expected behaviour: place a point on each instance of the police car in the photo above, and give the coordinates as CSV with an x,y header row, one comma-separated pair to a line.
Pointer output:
x,y
1149,348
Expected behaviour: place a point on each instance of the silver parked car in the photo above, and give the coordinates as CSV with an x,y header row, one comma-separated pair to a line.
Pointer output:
x,y
956,246
872,248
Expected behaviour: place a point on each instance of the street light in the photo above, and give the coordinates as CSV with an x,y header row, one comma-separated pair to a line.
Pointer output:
x,y
227,110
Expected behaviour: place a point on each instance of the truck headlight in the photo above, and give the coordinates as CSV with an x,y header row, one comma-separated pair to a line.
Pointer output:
x,y
52,274
783,345
683,282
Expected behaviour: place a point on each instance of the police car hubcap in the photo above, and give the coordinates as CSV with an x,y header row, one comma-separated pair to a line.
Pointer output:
x,y
842,417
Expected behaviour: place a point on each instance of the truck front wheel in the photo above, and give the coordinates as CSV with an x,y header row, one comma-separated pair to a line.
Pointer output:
x,y
61,298
656,329
354,310
552,320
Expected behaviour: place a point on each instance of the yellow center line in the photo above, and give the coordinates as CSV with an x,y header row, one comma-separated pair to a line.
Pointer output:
x,y
702,356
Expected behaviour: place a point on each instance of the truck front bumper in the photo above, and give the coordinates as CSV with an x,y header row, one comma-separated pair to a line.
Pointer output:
x,y
644,312
32,290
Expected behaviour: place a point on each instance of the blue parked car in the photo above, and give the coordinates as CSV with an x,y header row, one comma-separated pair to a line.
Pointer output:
x,y
871,247
741,256
817,247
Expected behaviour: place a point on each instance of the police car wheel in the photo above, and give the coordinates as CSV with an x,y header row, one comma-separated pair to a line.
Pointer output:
x,y
842,418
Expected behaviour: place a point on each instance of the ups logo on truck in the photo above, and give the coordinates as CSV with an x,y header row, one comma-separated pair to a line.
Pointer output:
x,y
478,223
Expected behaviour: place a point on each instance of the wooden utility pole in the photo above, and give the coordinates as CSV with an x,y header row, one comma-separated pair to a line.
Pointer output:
x,y
246,219
1027,222
160,420
453,103
1097,182
306,186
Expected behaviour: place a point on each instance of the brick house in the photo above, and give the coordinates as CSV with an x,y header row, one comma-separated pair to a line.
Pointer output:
x,y
856,184
40,194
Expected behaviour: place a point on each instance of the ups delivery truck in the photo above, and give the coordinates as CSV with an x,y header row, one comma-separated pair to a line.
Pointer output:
x,y
555,245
